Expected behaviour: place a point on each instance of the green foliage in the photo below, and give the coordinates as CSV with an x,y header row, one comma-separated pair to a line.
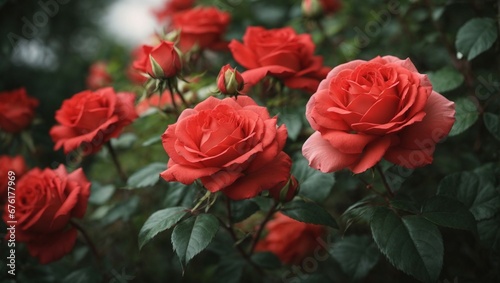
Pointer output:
x,y
466,116
314,185
448,212
308,212
160,221
446,79
357,255
476,36
492,123
147,176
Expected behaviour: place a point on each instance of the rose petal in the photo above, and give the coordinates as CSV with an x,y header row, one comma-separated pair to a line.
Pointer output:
x,y
371,155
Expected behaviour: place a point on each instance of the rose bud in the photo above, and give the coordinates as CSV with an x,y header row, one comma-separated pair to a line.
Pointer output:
x,y
229,81
160,62
312,8
285,192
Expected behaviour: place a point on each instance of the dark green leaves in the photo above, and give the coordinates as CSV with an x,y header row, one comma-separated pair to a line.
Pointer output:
x,y
357,255
147,176
241,210
448,212
308,212
476,36
314,184
411,243
466,115
160,221
446,79
193,235
492,123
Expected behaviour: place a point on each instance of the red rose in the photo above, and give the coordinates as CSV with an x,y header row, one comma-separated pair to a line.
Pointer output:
x,y
289,239
231,145
281,53
17,110
203,27
8,163
316,8
285,191
160,62
230,81
98,76
46,200
368,110
91,118
330,6
155,101
171,7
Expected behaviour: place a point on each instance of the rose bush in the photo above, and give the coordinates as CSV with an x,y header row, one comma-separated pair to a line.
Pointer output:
x,y
46,202
290,239
203,27
280,53
17,110
91,118
368,110
231,145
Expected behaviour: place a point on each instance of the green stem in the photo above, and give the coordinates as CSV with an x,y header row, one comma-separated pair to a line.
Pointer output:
x,y
114,157
384,181
261,227
87,238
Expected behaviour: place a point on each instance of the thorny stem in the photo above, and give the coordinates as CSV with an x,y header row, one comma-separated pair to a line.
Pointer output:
x,y
261,227
87,238
114,157
384,180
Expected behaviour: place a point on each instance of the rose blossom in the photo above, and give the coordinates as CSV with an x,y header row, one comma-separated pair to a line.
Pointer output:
x,y
290,239
229,81
91,118
46,202
98,76
10,163
280,53
203,27
161,61
171,7
231,145
17,110
368,110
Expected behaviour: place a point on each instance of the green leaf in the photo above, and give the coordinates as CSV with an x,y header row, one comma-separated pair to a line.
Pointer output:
x,y
447,212
476,36
466,115
160,221
147,176
100,194
446,79
122,210
152,140
193,235
481,199
266,260
411,243
314,184
357,255
179,194
360,211
489,233
230,268
125,141
84,275
492,123
241,210
293,122
308,212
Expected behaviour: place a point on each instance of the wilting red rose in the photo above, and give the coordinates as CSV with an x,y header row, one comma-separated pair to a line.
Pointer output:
x,y
17,110
9,163
171,7
229,81
231,145
290,239
281,53
368,110
46,202
164,56
155,101
98,76
203,27
91,118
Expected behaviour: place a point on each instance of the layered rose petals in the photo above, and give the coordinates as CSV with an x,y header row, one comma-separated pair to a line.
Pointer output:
x,y
281,53
231,145
46,202
17,110
368,110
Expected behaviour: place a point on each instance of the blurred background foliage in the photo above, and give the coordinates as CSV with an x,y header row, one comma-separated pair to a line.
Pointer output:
x,y
52,63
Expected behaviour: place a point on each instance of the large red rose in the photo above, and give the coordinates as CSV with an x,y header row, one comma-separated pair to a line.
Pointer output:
x,y
203,27
281,53
368,110
9,163
290,239
46,200
231,145
170,7
17,110
91,118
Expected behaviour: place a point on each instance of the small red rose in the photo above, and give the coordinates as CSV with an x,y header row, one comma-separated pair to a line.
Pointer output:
x,y
98,76
281,53
46,202
171,7
160,62
230,145
91,118
368,110
17,110
10,163
229,81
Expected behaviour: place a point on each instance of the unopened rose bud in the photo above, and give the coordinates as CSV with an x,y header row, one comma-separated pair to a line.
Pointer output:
x,y
312,8
229,81
285,192
160,62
